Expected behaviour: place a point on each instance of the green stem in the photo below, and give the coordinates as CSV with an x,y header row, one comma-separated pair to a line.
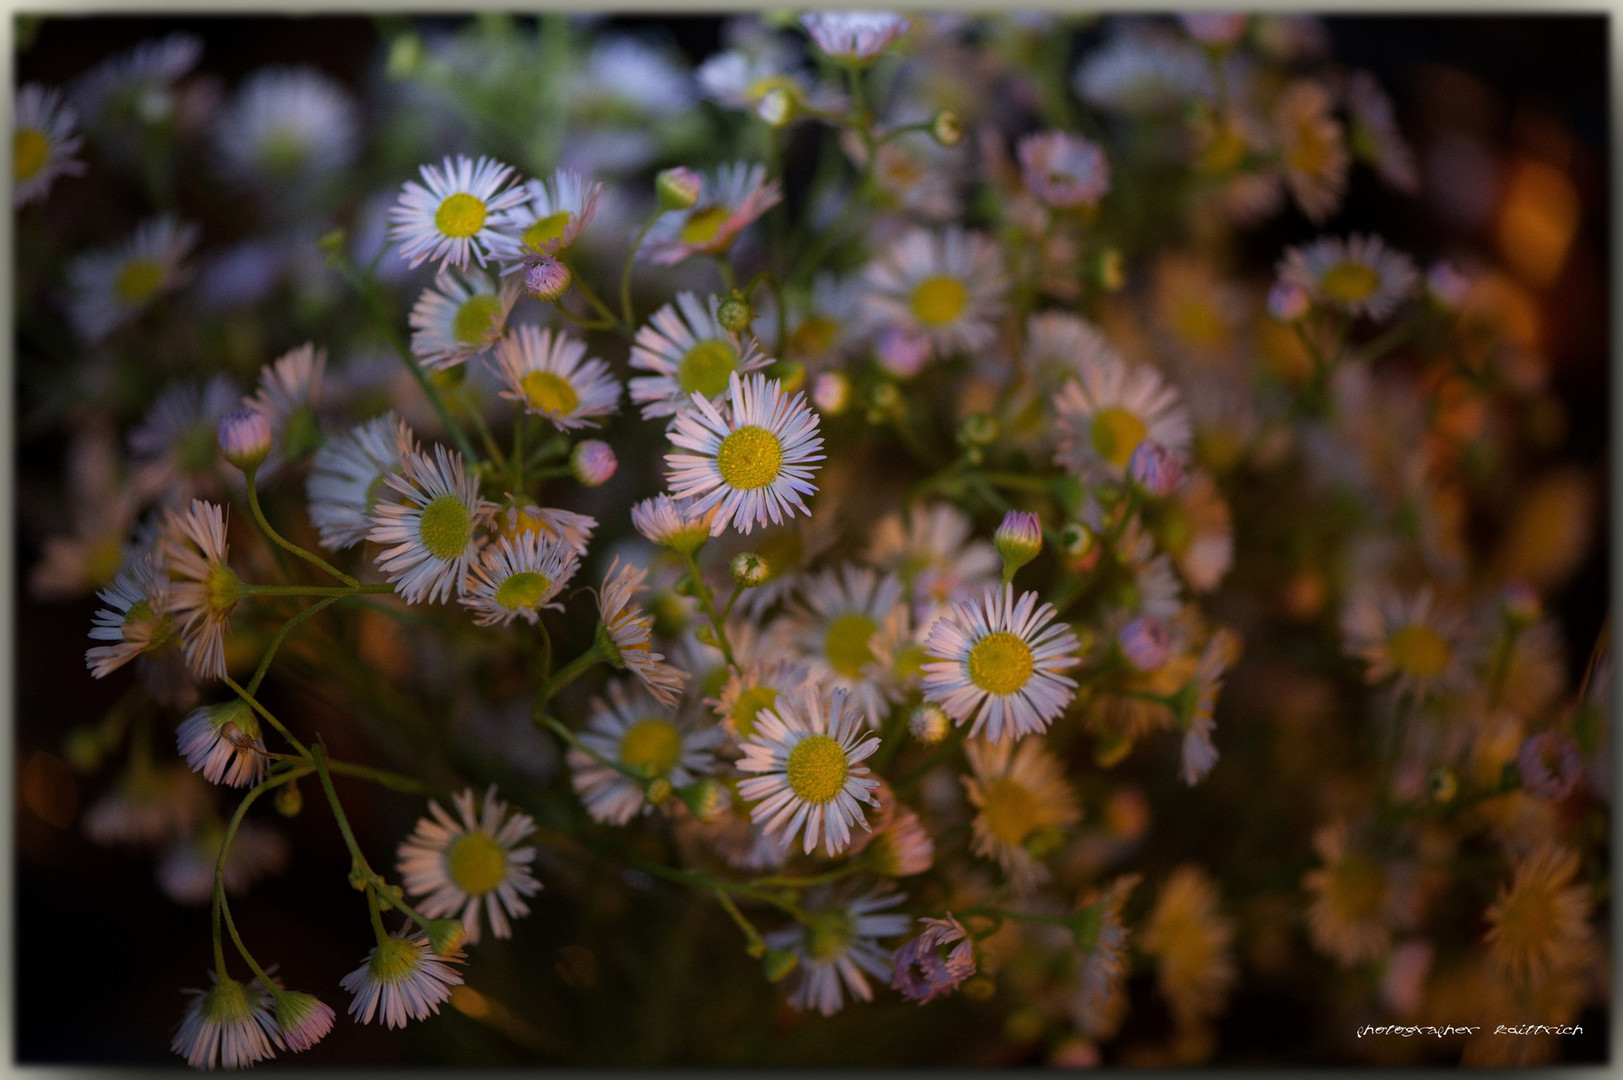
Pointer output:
x,y
313,590
707,602
565,676
596,301
276,642
481,428
625,272
287,545
219,905
253,703
406,785
752,937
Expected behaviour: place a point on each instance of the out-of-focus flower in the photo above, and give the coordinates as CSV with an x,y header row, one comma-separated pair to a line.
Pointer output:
x,y
947,286
1022,801
347,478
854,37
838,944
287,129
1102,416
1065,171
549,374
1312,149
1359,275
1540,922
1190,938
644,738
43,142
459,317
921,972
732,197
109,288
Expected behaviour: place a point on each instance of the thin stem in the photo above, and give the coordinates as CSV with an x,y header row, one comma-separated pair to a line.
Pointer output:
x,y
596,301
565,676
557,728
707,601
313,590
287,545
625,272
253,703
219,872
406,785
483,430
276,642
752,937
318,758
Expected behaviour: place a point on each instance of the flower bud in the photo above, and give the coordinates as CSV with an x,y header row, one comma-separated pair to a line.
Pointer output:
x,y
289,799
1521,603
593,462
245,437
1109,271
749,569
778,963
1017,540
776,107
831,392
705,799
978,429
545,278
1155,469
658,791
902,352
678,188
946,128
1287,302
1080,545
446,935
929,723
1146,642
734,312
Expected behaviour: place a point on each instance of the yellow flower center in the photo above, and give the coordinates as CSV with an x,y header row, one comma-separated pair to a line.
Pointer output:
x,y
1349,282
652,747
282,151
395,960
705,367
909,661
1116,433
817,769
1000,663
549,393
30,149
937,301
845,643
1528,920
224,589
749,458
1311,155
445,527
547,229
1010,810
476,863
103,560
1173,530
813,336
460,215
749,703
1357,886
1224,152
475,321
523,590
763,86
1418,650
703,225
828,934
137,280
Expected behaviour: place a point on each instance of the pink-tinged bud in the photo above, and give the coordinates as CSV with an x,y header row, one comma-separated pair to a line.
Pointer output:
x,y
545,278
593,462
1287,302
1550,765
929,723
245,437
1155,469
1218,29
902,352
678,188
1447,285
1521,602
1017,540
1146,642
947,129
831,392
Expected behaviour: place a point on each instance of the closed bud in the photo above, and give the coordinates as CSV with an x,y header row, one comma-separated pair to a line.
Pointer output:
x,y
946,128
929,723
1146,642
545,278
776,107
705,799
677,189
1155,469
289,799
978,429
446,935
749,569
734,312
778,963
1017,540
831,392
658,791
1287,303
593,462
245,437
1109,271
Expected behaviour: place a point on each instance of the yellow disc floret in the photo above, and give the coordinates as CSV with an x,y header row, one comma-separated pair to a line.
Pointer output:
x,y
817,769
651,747
1000,663
749,458
476,863
938,301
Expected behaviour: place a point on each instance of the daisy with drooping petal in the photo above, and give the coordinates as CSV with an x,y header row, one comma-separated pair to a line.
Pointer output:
x,y
1101,417
854,37
434,530
837,945
690,353
1190,938
849,612
808,752
1020,796
203,589
136,617
222,742
229,1024
43,142
633,730
1359,275
346,478
755,463
287,129
998,664
671,523
1312,149
629,630
1406,637
516,577
551,523
1065,171
921,972
402,979
303,1019
456,217
545,373
946,286
108,288
459,317
454,866
1357,900
556,211
730,198
1540,921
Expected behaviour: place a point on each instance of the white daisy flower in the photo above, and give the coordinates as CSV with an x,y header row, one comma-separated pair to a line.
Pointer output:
x,y
136,85
203,589
642,735
756,463
1419,642
1019,793
852,614
1375,136
457,216
730,198
1065,171
544,372
222,742
740,81
433,531
554,215
689,353
671,523
1359,275
136,617
808,753
838,945
854,36
287,129
175,451
999,665
459,317
303,1019
1312,150
229,1024
550,523
43,142
517,576
1102,416
288,395
1141,74
946,286
630,630
452,867
108,288
821,328
754,687
346,478
401,979
934,552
